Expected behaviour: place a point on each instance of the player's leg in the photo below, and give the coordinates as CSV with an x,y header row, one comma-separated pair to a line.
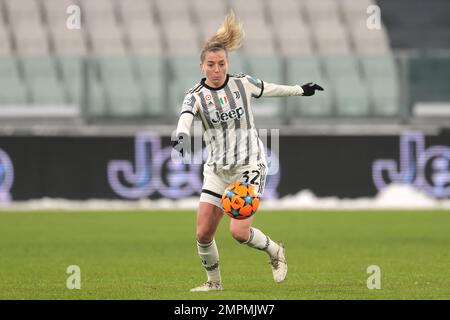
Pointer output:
x,y
208,219
243,231
209,214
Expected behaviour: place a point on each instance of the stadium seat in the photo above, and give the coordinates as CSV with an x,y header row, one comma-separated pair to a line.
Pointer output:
x,y
42,79
352,97
150,66
98,11
248,10
71,67
152,75
5,42
75,92
96,99
122,91
340,65
259,38
304,68
381,72
284,10
22,12
153,98
385,94
118,67
97,6
186,66
182,38
378,65
3,21
8,67
38,67
212,12
31,38
124,97
331,37
168,12
136,11
13,92
67,41
144,37
323,10
107,38
293,43
48,92
72,73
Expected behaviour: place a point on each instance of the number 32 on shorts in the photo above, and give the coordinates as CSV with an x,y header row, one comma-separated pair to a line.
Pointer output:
x,y
251,177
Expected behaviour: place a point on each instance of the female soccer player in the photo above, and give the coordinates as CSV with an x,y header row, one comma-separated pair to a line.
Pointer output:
x,y
222,102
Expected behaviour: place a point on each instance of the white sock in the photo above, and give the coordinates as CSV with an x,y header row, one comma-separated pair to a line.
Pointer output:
x,y
259,240
209,256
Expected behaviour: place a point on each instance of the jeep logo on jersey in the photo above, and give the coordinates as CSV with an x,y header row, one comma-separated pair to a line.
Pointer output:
x,y
226,116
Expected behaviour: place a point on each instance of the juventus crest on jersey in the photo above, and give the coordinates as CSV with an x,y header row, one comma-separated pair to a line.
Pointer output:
x,y
227,118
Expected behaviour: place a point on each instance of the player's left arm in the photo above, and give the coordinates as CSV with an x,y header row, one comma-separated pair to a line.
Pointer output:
x,y
261,88
277,90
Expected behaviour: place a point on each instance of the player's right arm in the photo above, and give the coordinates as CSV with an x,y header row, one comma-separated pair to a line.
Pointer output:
x,y
188,111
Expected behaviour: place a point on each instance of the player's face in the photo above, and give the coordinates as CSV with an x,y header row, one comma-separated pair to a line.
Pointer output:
x,y
215,68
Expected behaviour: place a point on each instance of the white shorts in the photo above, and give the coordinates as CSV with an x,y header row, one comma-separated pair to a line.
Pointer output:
x,y
215,183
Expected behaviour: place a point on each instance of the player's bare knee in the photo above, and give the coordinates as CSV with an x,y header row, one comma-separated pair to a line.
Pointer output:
x,y
240,235
204,238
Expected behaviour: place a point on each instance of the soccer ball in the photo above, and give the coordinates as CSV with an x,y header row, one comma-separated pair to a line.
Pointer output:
x,y
240,200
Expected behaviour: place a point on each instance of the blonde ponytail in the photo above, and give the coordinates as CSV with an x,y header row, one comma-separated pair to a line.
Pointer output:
x,y
228,37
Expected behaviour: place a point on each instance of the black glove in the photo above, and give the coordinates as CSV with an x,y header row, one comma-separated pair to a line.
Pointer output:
x,y
310,88
180,143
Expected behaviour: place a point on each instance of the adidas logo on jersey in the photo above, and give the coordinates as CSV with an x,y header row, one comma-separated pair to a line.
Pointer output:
x,y
226,116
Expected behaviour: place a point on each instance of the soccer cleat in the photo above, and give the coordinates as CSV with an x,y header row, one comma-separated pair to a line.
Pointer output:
x,y
208,286
279,264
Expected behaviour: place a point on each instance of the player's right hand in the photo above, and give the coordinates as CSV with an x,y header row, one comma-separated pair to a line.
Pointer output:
x,y
180,142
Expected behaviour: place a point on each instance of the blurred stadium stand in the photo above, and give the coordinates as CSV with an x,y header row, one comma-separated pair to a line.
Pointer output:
x,y
132,60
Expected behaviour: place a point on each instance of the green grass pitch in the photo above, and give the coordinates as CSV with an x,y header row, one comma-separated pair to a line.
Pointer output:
x,y
152,255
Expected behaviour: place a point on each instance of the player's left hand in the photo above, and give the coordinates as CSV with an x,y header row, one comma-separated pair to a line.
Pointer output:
x,y
310,88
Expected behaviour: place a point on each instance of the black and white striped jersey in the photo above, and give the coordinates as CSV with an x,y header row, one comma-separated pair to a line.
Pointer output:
x,y
226,114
